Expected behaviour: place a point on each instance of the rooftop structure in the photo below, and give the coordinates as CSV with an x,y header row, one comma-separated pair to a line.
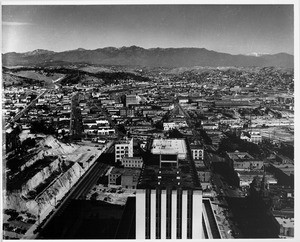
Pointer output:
x,y
239,156
169,147
162,172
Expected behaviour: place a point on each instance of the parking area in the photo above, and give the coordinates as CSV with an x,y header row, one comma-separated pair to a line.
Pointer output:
x,y
15,224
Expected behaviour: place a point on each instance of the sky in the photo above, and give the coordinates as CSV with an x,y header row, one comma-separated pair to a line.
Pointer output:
x,y
234,29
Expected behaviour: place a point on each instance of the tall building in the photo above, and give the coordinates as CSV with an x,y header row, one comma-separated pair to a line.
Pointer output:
x,y
169,214
168,201
123,148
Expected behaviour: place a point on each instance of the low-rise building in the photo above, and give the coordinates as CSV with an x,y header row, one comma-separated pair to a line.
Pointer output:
x,y
132,162
246,177
242,161
197,152
252,136
126,177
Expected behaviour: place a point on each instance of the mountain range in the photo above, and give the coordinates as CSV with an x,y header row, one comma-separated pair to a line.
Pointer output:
x,y
153,57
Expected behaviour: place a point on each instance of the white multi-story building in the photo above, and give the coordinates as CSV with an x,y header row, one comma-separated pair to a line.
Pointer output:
x,y
169,125
123,148
197,152
168,214
174,125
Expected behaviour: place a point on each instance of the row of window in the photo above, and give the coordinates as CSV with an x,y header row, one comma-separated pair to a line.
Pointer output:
x,y
197,151
123,151
132,165
132,161
122,147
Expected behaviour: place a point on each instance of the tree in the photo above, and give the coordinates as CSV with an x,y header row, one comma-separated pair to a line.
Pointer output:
x,y
121,128
29,142
40,126
175,133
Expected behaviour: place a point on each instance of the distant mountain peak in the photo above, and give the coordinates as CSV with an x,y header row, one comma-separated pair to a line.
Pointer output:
x,y
38,52
257,54
152,57
80,49
132,47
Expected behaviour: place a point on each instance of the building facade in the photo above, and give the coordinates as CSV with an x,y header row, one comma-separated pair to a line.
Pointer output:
x,y
123,148
197,152
168,214
131,99
242,161
132,162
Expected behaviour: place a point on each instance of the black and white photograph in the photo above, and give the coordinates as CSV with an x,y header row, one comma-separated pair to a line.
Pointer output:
x,y
138,121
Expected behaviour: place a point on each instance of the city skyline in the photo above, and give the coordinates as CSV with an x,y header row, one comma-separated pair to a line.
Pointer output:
x,y
233,29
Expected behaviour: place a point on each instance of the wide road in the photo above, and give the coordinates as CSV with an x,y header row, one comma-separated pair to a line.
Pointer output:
x,y
223,189
73,114
111,123
189,121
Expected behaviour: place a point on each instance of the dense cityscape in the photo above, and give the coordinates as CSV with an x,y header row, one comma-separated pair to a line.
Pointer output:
x,y
149,121
85,144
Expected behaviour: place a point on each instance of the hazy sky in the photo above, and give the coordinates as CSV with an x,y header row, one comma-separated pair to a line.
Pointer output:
x,y
235,29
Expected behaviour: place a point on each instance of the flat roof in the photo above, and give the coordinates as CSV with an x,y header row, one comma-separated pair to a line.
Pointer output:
x,y
149,178
196,146
239,155
123,141
286,168
168,146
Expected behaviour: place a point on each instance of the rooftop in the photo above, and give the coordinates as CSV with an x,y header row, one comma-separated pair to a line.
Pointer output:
x,y
123,141
168,146
240,156
196,146
152,177
286,168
